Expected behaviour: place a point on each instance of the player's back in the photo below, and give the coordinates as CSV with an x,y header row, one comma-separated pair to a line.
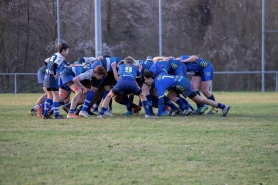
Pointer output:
x,y
157,68
146,65
127,71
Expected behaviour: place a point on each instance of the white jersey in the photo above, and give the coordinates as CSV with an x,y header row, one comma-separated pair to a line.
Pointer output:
x,y
57,58
88,60
86,75
47,60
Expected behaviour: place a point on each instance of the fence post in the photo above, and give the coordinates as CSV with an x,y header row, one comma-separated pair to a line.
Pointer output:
x,y
15,84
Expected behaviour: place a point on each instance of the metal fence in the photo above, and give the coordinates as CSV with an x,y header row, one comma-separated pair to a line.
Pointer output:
x,y
29,84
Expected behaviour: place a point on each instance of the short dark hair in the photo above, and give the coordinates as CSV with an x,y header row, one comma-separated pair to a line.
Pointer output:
x,y
149,74
106,56
62,46
80,60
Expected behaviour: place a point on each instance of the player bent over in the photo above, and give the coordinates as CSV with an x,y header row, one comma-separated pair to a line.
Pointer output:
x,y
178,84
99,72
126,83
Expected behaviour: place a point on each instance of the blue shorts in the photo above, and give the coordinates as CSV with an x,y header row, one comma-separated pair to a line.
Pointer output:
x,y
206,74
65,87
62,85
183,87
126,86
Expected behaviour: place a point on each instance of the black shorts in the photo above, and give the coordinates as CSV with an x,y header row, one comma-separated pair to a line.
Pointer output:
x,y
52,89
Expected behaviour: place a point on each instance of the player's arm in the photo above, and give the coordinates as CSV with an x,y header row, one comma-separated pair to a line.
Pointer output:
x,y
77,81
55,66
100,57
193,58
86,75
166,59
155,59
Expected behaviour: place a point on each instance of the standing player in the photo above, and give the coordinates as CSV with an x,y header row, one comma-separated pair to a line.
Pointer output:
x,y
51,83
203,75
64,92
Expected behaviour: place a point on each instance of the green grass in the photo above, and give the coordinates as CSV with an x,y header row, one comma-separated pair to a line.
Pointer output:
x,y
241,148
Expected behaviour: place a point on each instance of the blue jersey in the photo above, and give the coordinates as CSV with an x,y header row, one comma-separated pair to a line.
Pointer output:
x,y
128,72
196,66
162,63
63,65
106,63
146,65
176,67
157,68
127,83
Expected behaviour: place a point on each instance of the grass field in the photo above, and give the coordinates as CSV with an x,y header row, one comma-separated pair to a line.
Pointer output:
x,y
241,148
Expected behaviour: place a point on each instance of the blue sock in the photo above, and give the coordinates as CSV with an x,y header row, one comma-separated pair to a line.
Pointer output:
x,y
150,103
127,103
170,103
56,108
182,106
199,104
102,110
221,106
146,108
128,107
47,103
80,108
88,100
42,105
186,102
105,94
96,105
51,105
212,97
71,111
68,105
